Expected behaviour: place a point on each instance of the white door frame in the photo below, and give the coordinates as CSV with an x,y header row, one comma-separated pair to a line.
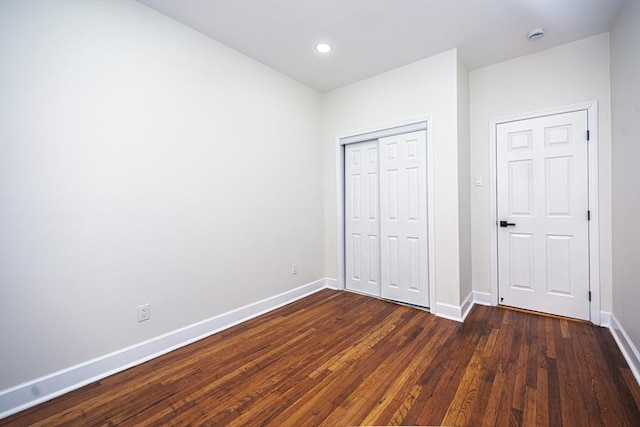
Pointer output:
x,y
367,135
594,241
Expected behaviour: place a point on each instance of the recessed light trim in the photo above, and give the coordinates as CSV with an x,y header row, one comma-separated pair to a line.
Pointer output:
x,y
324,47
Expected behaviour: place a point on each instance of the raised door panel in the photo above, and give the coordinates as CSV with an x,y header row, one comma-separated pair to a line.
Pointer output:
x,y
521,267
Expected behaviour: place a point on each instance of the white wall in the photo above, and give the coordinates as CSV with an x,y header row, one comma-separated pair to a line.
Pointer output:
x,y
568,74
141,162
424,87
464,181
625,115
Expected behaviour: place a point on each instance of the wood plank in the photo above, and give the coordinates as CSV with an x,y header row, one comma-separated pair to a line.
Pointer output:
x,y
573,410
530,408
509,361
337,358
404,388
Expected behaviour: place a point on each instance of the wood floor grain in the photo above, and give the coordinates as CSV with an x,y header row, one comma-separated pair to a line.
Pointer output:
x,y
339,359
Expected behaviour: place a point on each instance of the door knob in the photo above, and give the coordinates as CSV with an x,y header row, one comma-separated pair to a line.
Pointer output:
x,y
507,224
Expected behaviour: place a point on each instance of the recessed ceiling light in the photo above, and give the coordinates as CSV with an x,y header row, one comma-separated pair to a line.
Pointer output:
x,y
324,47
536,33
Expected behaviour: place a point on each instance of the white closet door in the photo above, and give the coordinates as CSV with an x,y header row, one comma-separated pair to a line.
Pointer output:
x,y
362,226
403,218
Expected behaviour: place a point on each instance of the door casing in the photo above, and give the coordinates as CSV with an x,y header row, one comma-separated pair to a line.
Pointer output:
x,y
366,135
594,244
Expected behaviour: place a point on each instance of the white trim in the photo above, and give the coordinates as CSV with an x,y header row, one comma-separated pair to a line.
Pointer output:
x,y
454,312
448,311
396,130
431,216
594,207
594,241
481,298
466,306
340,212
628,350
331,283
363,135
605,319
40,390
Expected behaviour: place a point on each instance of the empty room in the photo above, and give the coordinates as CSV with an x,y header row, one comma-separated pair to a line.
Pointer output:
x,y
320,212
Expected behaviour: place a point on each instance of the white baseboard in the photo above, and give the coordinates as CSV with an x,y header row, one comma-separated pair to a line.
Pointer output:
x,y
482,298
628,349
26,395
605,319
467,304
331,283
454,312
448,311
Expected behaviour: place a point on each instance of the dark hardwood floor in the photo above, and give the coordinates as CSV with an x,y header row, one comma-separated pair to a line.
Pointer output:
x,y
339,359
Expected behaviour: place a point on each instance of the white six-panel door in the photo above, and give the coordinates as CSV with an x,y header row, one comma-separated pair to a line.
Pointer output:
x,y
542,194
386,250
403,218
362,226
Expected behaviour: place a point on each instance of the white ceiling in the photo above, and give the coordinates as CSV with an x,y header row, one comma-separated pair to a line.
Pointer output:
x,y
373,36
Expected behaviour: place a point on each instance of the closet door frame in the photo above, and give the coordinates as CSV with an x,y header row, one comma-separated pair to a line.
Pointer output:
x,y
376,132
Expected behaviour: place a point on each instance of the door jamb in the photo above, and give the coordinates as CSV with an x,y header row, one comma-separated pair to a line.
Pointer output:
x,y
592,153
341,270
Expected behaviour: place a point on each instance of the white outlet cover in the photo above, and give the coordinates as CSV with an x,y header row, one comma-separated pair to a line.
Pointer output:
x,y
144,312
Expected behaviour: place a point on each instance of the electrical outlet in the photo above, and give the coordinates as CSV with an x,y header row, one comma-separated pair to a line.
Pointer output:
x,y
144,312
294,268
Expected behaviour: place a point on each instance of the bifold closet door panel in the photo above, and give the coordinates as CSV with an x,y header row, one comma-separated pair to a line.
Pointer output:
x,y
362,225
403,218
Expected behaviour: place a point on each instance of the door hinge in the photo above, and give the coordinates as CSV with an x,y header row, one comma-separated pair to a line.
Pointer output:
x,y
589,296
587,134
588,215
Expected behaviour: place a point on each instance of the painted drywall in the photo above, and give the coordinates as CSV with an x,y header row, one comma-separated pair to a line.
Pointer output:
x,y
464,180
625,117
568,74
141,162
424,87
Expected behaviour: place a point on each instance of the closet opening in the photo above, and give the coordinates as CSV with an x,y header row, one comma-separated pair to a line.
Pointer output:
x,y
385,212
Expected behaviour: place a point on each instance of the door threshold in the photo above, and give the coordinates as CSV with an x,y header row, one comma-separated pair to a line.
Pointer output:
x,y
406,304
543,314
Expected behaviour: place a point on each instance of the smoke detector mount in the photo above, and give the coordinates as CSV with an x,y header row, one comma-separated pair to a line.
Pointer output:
x,y
536,33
